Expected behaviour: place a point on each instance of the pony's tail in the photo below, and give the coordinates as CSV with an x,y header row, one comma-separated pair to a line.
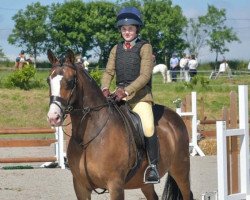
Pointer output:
x,y
171,190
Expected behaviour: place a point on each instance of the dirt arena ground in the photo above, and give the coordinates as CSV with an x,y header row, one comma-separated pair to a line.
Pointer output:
x,y
56,184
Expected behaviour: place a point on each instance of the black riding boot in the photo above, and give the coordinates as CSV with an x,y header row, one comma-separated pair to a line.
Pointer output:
x,y
151,174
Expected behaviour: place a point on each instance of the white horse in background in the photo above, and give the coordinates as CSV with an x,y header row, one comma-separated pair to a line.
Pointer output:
x,y
163,69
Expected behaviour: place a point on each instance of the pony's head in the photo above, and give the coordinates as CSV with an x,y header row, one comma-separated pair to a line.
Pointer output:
x,y
62,83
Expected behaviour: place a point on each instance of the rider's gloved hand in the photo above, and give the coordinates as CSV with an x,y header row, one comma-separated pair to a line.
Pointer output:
x,y
106,92
120,93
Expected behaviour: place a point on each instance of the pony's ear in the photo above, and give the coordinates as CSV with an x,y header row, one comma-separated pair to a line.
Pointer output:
x,y
70,56
51,57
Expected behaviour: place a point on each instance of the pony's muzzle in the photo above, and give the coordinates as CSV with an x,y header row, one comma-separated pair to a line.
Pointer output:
x,y
54,120
54,115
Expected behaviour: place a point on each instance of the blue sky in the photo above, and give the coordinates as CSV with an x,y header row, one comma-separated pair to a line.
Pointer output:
x,y
237,14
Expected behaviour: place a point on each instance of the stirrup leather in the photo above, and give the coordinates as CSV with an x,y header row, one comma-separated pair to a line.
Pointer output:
x,y
152,167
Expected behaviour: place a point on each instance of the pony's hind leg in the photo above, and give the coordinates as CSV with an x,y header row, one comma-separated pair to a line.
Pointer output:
x,y
82,193
182,179
164,77
149,192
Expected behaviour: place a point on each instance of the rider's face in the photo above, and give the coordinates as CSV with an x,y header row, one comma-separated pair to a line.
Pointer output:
x,y
129,32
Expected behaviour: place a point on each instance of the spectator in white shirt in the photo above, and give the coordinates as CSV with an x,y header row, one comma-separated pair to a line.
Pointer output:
x,y
82,61
184,67
224,67
85,63
192,65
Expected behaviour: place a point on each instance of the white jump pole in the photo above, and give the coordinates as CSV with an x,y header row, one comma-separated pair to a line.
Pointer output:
x,y
244,142
60,143
56,144
243,133
196,149
59,146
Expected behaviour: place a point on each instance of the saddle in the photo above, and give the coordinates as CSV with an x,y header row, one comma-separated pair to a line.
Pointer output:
x,y
134,128
135,124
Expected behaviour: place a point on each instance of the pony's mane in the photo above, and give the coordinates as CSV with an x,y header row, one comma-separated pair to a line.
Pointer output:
x,y
83,74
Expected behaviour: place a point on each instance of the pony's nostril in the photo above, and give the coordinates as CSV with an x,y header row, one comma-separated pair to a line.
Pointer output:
x,y
54,117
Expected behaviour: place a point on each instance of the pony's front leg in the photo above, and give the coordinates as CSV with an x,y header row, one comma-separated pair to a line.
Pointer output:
x,y
149,192
116,190
82,193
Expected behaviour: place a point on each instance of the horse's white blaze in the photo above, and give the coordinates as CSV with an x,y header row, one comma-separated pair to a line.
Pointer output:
x,y
161,68
54,109
55,85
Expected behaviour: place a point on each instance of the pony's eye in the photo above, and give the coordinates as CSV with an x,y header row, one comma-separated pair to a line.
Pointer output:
x,y
71,83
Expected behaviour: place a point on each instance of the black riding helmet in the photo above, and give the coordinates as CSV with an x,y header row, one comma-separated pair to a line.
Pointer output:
x,y
129,16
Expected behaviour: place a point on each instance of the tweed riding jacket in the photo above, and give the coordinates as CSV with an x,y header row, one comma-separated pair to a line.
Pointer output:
x,y
139,87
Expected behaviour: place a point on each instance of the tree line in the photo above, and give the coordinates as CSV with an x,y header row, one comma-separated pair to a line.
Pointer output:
x,y
89,28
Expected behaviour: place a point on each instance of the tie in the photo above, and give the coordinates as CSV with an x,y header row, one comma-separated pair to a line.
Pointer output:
x,y
127,45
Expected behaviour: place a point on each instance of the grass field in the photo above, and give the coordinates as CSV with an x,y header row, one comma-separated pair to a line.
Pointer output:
x,y
20,108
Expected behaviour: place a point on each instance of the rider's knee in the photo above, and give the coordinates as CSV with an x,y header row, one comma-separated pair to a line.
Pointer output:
x,y
149,131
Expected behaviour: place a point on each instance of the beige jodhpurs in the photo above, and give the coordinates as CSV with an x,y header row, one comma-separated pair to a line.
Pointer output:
x,y
144,110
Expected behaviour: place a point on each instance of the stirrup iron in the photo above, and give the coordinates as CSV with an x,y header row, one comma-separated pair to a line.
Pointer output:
x,y
151,166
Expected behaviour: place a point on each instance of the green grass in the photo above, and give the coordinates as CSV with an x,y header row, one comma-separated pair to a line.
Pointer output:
x,y
21,108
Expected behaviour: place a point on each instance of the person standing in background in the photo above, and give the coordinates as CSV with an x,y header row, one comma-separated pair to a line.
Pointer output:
x,y
85,63
20,59
184,67
82,61
224,67
174,63
192,65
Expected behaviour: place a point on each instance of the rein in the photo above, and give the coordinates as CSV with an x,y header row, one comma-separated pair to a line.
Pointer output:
x,y
85,111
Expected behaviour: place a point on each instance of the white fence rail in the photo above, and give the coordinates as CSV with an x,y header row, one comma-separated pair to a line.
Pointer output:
x,y
243,133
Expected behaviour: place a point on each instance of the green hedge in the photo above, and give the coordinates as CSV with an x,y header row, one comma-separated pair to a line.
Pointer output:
x,y
23,79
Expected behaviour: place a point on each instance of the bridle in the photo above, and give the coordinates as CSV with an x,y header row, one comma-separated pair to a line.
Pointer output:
x,y
64,105
67,108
